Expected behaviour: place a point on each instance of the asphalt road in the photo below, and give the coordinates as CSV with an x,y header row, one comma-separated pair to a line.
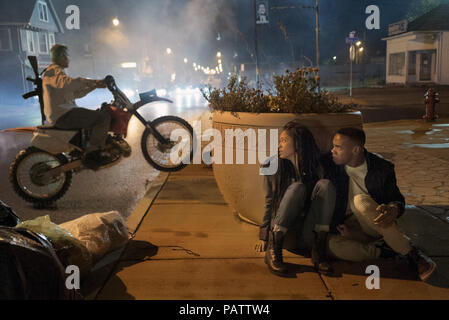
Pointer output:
x,y
116,188
388,113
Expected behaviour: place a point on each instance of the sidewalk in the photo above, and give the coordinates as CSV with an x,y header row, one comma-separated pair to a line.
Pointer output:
x,y
191,245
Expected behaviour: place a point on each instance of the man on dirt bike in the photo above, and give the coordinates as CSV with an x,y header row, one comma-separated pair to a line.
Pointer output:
x,y
60,92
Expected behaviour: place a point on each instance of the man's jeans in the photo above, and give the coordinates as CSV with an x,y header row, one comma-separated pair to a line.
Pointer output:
x,y
364,234
98,122
291,215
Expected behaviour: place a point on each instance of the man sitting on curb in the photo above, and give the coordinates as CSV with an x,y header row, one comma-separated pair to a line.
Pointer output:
x,y
367,206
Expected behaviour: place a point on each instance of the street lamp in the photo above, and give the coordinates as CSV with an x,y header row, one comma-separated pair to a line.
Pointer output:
x,y
218,54
116,22
169,51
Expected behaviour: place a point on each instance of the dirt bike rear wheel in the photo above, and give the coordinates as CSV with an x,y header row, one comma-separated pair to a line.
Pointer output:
x,y
25,171
161,157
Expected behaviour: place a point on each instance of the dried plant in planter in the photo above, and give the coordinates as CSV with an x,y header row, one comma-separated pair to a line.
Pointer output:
x,y
294,92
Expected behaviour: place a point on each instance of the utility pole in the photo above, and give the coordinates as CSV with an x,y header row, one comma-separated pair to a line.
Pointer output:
x,y
256,47
317,37
317,29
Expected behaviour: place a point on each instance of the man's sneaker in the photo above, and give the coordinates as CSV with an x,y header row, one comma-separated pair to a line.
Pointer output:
x,y
94,160
424,265
385,250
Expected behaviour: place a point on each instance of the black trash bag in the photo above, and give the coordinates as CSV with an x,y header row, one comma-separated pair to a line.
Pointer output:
x,y
29,268
7,216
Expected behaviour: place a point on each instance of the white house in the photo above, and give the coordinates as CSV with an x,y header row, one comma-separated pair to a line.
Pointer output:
x,y
419,52
27,27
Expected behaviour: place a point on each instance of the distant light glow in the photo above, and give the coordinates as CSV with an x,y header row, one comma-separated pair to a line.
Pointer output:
x,y
129,93
129,65
116,22
218,54
169,51
186,60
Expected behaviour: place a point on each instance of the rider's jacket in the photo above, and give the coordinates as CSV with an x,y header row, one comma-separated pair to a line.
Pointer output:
x,y
60,91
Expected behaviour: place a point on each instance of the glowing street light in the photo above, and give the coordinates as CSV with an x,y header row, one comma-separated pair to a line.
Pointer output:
x,y
169,51
129,65
361,49
186,60
358,43
218,54
116,22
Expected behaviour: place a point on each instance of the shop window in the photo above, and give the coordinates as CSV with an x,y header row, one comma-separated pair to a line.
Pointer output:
x,y
397,64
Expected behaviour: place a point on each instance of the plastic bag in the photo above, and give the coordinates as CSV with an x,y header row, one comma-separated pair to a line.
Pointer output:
x,y
68,248
29,267
101,233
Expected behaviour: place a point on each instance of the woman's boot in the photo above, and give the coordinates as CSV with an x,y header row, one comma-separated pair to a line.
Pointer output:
x,y
320,257
273,255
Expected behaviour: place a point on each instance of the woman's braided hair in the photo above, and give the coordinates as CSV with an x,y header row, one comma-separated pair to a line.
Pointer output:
x,y
307,155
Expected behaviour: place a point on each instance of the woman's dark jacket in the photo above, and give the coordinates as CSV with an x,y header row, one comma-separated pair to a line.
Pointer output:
x,y
380,182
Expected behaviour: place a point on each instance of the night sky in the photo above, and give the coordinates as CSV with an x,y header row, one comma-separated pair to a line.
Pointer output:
x,y
233,19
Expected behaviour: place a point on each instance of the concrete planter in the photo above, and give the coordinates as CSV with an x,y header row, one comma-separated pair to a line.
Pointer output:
x,y
241,184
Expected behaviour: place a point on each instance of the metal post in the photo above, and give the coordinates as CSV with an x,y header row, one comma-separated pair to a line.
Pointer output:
x,y
256,47
317,37
350,69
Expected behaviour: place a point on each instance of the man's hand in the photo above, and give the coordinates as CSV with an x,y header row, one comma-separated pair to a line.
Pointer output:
x,y
387,215
345,232
261,246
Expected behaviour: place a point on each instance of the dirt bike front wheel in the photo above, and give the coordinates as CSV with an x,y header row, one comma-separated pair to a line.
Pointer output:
x,y
26,172
175,155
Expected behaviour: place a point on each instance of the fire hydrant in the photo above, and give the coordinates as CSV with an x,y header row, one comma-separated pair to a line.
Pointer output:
x,y
431,98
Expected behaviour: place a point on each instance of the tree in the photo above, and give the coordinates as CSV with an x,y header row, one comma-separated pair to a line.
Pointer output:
x,y
419,7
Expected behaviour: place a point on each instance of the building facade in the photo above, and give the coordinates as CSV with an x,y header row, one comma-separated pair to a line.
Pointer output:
x,y
419,53
27,27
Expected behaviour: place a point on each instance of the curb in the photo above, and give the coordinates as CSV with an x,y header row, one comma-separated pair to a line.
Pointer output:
x,y
133,223
140,211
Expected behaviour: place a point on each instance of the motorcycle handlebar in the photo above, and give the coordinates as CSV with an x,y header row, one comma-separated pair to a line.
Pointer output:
x,y
110,82
145,98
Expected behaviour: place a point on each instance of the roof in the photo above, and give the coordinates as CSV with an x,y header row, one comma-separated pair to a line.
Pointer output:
x,y
21,12
434,20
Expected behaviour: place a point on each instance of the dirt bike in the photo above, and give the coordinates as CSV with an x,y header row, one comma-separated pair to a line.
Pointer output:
x,y
42,173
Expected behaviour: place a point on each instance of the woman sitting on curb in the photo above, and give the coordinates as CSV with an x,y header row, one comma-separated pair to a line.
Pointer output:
x,y
298,201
